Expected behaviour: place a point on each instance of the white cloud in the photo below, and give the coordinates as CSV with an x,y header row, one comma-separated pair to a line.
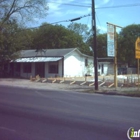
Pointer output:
x,y
102,29
53,6
106,1
59,10
76,12
103,3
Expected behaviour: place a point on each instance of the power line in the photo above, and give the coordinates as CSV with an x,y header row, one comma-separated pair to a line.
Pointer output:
x,y
71,20
105,7
98,19
119,6
78,5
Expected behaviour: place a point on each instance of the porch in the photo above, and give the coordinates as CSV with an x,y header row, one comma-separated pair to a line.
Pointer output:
x,y
43,69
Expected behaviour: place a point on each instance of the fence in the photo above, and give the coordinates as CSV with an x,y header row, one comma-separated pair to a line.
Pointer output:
x,y
108,81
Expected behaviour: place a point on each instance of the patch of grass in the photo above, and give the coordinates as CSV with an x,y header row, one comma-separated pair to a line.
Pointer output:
x,y
132,93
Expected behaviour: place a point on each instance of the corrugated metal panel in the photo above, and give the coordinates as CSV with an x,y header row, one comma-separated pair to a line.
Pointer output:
x,y
38,59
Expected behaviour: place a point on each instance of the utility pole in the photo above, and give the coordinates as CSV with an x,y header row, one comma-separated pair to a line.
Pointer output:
x,y
94,47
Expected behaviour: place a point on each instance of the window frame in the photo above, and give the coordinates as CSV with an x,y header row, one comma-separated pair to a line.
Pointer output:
x,y
53,68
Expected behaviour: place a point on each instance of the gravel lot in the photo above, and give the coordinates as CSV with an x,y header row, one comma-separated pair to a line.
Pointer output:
x,y
25,83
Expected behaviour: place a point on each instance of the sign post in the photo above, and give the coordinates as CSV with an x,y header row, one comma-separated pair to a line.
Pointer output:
x,y
112,47
138,75
137,56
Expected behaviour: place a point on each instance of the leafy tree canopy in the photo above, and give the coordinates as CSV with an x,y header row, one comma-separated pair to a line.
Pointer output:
x,y
126,44
101,40
81,29
12,36
12,39
58,36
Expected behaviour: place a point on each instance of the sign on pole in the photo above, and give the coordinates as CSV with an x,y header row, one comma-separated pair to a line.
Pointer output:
x,y
137,48
110,41
137,56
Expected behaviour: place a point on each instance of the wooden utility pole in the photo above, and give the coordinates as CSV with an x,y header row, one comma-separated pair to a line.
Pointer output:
x,y
94,47
115,59
138,74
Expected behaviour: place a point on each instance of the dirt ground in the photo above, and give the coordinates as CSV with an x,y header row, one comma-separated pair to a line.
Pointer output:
x,y
25,83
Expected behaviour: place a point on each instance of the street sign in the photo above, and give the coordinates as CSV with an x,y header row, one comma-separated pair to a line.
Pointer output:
x,y
137,48
137,54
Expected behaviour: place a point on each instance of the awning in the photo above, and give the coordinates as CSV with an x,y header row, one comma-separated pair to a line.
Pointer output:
x,y
38,59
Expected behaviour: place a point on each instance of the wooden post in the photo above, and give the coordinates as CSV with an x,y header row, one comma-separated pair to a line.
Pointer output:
x,y
115,60
115,55
138,76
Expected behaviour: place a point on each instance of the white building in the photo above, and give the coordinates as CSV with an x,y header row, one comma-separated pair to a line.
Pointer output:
x,y
105,68
52,63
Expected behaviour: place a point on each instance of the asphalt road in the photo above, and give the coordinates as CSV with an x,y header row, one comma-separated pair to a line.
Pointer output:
x,y
31,114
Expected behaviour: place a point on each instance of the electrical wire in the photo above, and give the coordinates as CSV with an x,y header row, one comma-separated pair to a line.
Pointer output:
x,y
119,6
78,5
71,19
98,20
106,7
89,5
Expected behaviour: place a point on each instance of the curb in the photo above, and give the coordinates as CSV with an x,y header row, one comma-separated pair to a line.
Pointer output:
x,y
117,93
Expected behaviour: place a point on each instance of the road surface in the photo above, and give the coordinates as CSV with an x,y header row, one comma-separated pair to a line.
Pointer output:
x,y
33,114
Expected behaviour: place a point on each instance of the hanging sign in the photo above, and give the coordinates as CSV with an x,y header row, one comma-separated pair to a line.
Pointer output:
x,y
110,41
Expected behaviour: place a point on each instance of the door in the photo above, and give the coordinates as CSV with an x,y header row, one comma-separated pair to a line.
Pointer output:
x,y
40,69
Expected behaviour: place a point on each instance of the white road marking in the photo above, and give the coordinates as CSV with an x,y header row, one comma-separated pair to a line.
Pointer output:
x,y
7,129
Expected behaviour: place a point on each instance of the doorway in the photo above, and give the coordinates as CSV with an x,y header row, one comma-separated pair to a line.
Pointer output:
x,y
40,69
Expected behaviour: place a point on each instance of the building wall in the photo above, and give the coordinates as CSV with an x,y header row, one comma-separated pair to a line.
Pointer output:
x,y
47,74
25,75
105,68
110,69
33,69
74,65
131,70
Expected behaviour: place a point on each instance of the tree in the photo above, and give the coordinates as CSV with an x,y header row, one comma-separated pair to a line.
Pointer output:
x,y
81,29
12,39
12,36
126,44
57,36
101,45
21,10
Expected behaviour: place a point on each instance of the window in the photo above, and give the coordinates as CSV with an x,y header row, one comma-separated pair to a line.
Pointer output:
x,y
53,67
99,67
102,68
86,62
27,67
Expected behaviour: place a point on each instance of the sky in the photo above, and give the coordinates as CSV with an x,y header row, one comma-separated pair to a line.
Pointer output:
x,y
118,12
